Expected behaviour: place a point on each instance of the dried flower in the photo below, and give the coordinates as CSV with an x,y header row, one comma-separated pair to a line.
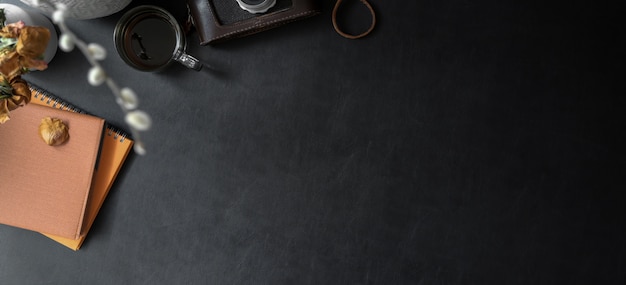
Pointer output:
x,y
53,131
14,93
32,42
21,49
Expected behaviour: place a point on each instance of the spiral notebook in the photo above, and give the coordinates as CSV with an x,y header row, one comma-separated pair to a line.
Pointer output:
x,y
44,188
115,147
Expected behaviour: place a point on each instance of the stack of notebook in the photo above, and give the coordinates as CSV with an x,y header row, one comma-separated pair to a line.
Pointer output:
x,y
59,190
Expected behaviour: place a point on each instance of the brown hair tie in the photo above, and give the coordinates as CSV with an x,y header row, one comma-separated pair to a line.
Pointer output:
x,y
349,36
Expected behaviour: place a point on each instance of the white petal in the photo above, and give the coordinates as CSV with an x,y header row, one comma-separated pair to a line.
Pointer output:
x,y
128,99
66,42
34,3
139,120
97,51
96,76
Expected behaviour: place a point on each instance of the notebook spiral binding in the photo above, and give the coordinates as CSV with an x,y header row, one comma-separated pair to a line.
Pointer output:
x,y
58,103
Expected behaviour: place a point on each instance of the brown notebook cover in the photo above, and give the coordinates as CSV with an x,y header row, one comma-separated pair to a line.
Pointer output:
x,y
114,150
44,188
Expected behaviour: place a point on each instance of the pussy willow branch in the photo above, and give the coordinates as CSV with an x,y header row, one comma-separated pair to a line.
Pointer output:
x,y
82,46
136,119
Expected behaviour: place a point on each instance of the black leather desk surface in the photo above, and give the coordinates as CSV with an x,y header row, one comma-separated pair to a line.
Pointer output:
x,y
463,142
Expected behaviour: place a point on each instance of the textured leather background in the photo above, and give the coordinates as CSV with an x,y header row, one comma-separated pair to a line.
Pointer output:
x,y
462,142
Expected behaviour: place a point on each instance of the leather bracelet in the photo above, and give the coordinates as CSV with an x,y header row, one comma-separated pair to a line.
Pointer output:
x,y
349,36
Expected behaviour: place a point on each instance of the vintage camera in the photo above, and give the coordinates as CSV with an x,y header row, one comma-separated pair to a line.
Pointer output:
x,y
256,6
221,20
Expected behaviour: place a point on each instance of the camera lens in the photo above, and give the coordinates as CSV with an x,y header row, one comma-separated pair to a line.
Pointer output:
x,y
256,6
253,2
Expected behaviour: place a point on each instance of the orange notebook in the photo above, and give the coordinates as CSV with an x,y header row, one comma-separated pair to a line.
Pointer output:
x,y
115,148
44,188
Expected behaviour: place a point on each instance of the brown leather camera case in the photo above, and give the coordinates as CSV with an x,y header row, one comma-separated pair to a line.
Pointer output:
x,y
221,20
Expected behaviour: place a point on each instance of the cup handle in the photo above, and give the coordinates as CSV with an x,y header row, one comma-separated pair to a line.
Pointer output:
x,y
187,60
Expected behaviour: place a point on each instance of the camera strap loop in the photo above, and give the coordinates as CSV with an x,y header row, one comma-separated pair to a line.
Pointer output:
x,y
349,36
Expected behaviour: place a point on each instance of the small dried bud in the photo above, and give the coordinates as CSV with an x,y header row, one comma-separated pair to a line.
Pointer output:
x,y
96,76
139,120
128,99
140,148
58,16
53,131
66,42
97,51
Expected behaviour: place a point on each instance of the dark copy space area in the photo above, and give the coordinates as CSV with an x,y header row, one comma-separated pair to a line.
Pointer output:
x,y
461,142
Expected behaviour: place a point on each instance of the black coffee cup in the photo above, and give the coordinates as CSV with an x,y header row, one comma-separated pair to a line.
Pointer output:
x,y
149,38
